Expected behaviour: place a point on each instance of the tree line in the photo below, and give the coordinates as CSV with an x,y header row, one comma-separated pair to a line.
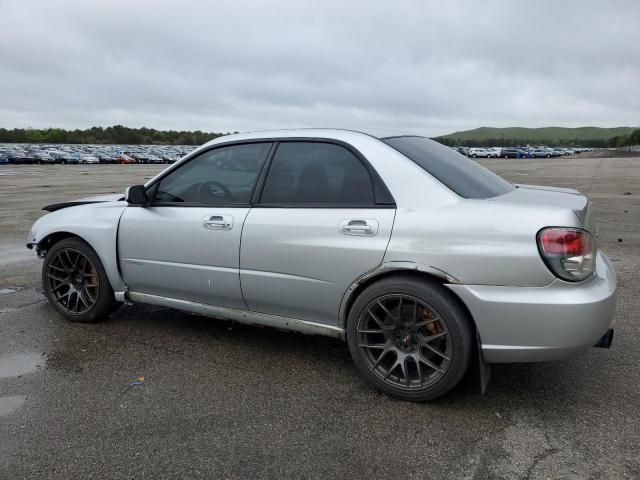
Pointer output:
x,y
632,138
119,134
626,140
115,134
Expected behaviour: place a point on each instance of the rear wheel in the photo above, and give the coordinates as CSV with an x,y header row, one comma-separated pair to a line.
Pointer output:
x,y
76,283
410,338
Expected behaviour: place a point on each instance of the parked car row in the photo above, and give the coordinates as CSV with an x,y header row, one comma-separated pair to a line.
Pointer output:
x,y
90,154
519,152
133,154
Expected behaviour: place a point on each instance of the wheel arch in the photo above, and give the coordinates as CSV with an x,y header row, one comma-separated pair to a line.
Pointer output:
x,y
109,261
51,239
406,269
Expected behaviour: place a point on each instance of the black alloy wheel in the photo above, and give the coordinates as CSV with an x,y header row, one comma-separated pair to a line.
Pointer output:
x,y
76,283
410,338
72,281
405,341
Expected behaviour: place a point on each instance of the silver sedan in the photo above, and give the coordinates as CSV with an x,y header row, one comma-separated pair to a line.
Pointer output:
x,y
425,262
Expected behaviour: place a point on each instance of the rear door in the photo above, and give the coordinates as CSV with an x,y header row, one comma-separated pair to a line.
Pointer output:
x,y
323,219
186,244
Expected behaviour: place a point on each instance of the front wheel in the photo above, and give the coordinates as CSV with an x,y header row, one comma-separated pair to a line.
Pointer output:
x,y
75,282
410,338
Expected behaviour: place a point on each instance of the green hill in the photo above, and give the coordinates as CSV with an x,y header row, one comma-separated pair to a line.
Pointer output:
x,y
586,136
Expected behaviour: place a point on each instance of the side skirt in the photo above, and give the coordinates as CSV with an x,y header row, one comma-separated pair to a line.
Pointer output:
x,y
242,316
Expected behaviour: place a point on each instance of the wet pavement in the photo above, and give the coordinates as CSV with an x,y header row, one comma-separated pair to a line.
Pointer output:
x,y
154,393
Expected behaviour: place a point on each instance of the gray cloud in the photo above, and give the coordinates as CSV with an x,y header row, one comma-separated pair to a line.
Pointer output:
x,y
430,67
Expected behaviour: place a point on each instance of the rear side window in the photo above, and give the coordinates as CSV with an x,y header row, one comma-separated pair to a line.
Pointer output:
x,y
462,175
317,173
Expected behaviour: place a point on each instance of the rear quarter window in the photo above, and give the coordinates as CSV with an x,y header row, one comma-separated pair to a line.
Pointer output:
x,y
461,174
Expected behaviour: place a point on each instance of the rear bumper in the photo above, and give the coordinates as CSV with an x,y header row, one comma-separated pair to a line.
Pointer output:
x,y
533,324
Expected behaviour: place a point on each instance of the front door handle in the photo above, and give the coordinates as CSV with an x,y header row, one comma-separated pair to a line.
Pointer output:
x,y
218,222
359,227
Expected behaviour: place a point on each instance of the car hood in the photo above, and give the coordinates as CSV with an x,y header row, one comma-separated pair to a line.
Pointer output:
x,y
111,197
549,196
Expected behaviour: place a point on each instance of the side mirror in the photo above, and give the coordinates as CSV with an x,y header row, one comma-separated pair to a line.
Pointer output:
x,y
136,195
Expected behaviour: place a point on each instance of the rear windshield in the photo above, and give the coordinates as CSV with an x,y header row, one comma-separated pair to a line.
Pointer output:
x,y
462,175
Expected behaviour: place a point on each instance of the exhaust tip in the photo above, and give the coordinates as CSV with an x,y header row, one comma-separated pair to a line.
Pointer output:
x,y
606,340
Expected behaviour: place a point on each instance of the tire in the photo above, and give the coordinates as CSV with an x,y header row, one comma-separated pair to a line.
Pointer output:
x,y
443,319
89,303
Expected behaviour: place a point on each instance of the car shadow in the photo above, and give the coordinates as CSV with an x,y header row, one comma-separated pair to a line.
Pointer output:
x,y
523,385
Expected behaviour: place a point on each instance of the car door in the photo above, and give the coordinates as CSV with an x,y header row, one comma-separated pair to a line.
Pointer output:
x,y
185,245
323,219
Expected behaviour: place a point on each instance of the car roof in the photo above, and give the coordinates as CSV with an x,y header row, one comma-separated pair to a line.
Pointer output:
x,y
336,133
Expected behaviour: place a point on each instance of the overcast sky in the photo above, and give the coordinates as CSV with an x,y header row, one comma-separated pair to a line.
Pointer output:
x,y
427,67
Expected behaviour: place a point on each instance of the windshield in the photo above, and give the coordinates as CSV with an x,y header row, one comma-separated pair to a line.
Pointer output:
x,y
462,175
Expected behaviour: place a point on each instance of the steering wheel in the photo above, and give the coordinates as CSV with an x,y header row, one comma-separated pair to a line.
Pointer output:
x,y
205,194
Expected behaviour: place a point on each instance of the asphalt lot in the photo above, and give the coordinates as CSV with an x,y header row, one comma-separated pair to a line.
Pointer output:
x,y
222,400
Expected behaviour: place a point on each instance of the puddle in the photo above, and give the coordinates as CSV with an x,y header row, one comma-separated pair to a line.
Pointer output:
x,y
4,291
11,403
20,364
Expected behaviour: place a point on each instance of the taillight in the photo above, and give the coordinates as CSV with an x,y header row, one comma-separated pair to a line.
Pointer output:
x,y
569,252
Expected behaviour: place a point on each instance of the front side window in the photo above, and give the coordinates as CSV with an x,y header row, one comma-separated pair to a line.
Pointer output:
x,y
317,173
223,176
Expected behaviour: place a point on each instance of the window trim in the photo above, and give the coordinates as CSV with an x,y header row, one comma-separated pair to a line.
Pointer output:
x,y
154,186
380,189
343,206
376,181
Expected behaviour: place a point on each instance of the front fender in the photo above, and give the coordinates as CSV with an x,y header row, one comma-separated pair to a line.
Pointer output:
x,y
96,224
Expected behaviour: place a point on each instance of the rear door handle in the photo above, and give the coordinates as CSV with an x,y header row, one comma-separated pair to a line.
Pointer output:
x,y
218,222
359,227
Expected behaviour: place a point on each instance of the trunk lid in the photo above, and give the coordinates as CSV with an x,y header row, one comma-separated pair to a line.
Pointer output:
x,y
551,196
